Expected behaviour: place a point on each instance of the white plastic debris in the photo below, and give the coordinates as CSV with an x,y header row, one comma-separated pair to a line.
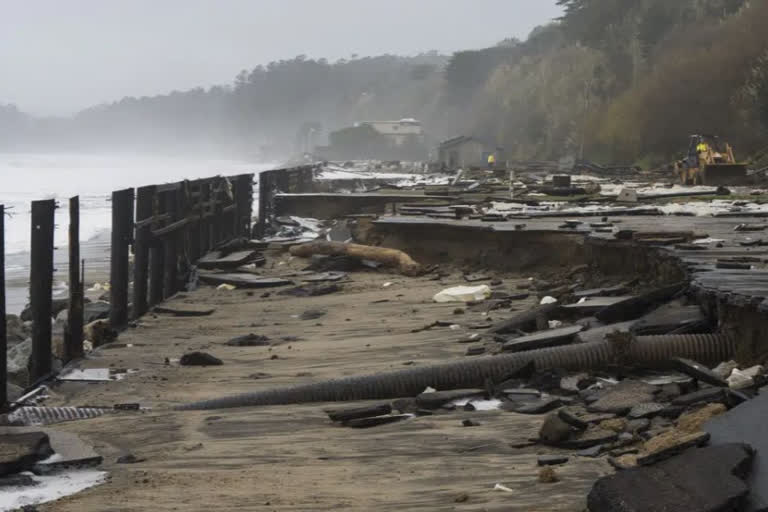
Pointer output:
x,y
554,324
499,487
429,389
386,285
548,300
740,380
745,378
463,294
454,327
50,488
473,337
225,287
479,405
708,241
724,369
582,300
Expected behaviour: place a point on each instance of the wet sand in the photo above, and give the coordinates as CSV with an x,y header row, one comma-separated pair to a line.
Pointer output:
x,y
292,457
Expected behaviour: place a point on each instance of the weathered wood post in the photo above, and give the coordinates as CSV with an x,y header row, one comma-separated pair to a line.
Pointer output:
x,y
3,333
40,287
169,246
122,227
73,342
141,249
156,256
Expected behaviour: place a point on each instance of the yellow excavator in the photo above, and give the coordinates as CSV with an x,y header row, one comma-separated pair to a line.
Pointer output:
x,y
710,162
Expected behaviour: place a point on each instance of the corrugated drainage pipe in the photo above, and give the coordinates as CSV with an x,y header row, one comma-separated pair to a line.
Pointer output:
x,y
646,351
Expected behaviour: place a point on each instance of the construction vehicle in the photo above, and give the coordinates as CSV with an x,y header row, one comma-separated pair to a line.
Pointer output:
x,y
710,161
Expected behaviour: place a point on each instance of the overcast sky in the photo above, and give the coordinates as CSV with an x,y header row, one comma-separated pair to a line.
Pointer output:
x,y
58,56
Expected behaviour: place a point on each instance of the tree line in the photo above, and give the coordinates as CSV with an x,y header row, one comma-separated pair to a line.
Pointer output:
x,y
612,80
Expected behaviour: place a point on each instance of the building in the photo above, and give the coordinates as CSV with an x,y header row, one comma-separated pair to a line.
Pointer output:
x,y
399,132
377,140
465,151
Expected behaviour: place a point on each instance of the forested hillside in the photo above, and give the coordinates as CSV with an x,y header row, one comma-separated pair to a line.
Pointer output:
x,y
614,80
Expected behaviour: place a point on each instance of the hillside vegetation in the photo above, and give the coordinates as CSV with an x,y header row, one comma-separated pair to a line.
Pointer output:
x,y
612,80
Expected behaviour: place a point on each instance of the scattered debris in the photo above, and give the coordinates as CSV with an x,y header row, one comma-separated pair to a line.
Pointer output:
x,y
463,294
199,359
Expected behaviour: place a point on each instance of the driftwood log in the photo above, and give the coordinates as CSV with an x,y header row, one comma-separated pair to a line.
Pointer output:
x,y
389,257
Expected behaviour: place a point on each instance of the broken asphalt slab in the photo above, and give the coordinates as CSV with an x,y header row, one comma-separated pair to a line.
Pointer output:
x,y
700,480
543,339
21,451
744,423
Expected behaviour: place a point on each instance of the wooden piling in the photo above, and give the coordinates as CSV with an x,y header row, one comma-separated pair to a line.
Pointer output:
x,y
73,341
169,247
3,333
122,227
40,288
141,250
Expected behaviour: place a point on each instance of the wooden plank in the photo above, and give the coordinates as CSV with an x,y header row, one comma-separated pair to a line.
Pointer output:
x,y
122,228
170,255
184,310
170,228
41,283
243,280
233,260
141,248
73,343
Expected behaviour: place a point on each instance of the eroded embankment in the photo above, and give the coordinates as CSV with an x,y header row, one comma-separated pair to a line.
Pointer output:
x,y
474,246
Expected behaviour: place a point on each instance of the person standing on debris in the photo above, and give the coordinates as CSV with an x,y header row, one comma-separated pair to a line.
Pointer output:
x,y
703,147
491,161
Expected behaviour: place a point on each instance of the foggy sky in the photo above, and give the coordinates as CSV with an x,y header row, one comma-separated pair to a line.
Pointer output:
x,y
58,56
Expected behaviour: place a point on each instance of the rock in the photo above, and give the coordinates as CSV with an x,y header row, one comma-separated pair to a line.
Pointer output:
x,y
552,460
538,407
312,314
15,330
311,290
627,461
129,459
668,444
99,332
592,451
574,383
554,430
708,395
698,371
461,498
438,398
353,413
646,410
548,475
475,351
20,452
694,421
521,393
669,392
591,437
672,411
615,425
249,340
548,380
18,359
572,419
199,359
469,423
375,422
96,310
637,426
724,369
703,480
622,397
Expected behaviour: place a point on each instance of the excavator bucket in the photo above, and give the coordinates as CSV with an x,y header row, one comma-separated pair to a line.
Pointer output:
x,y
723,174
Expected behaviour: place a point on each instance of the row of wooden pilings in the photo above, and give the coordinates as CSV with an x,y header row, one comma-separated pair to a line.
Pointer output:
x,y
167,227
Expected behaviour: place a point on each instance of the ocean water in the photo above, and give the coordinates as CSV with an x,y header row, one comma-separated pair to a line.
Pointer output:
x,y
27,177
